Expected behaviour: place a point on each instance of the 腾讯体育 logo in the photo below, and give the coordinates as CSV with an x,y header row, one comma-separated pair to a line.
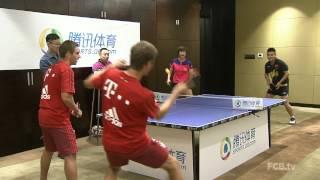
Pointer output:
x,y
225,149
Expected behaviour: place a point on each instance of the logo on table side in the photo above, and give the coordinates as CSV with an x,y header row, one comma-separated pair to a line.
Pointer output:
x,y
238,104
225,149
45,93
237,143
181,156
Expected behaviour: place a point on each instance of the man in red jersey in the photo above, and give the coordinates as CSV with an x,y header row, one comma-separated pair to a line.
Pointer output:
x,y
56,104
127,105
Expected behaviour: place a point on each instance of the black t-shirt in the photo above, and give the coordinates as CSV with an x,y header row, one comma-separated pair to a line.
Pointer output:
x,y
276,71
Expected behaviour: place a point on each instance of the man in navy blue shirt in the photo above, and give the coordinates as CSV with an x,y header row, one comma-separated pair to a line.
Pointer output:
x,y
52,55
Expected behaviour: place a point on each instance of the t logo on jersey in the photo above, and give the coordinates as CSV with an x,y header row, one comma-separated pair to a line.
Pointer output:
x,y
45,93
110,87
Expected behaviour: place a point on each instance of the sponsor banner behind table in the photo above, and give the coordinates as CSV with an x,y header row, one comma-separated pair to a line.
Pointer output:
x,y
23,37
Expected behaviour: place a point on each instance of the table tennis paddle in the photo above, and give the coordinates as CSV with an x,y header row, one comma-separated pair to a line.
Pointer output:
x,y
167,70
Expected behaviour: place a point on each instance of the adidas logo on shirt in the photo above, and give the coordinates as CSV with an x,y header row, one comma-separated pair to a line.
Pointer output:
x,y
45,93
112,116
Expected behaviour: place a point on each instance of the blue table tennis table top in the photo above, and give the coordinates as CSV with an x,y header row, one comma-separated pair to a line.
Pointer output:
x,y
207,110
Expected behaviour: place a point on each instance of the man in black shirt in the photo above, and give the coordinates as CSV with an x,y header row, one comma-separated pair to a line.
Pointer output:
x,y
277,77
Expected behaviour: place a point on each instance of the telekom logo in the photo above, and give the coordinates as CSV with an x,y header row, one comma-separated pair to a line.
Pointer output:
x,y
110,87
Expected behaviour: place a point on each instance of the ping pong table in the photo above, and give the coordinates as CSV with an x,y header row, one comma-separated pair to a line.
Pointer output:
x,y
209,137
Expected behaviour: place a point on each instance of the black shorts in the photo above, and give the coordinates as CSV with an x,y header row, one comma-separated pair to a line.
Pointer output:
x,y
282,91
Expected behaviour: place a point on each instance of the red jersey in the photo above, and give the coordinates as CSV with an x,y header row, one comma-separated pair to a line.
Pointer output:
x,y
180,70
126,105
53,112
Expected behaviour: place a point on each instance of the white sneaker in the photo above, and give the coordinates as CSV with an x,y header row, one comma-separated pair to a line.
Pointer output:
x,y
292,121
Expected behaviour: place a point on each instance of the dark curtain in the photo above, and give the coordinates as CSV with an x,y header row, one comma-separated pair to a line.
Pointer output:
x,y
217,48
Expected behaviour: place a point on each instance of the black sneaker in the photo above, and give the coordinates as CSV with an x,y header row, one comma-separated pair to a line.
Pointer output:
x,y
292,121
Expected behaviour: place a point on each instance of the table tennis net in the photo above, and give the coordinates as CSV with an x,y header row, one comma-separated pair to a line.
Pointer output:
x,y
222,102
